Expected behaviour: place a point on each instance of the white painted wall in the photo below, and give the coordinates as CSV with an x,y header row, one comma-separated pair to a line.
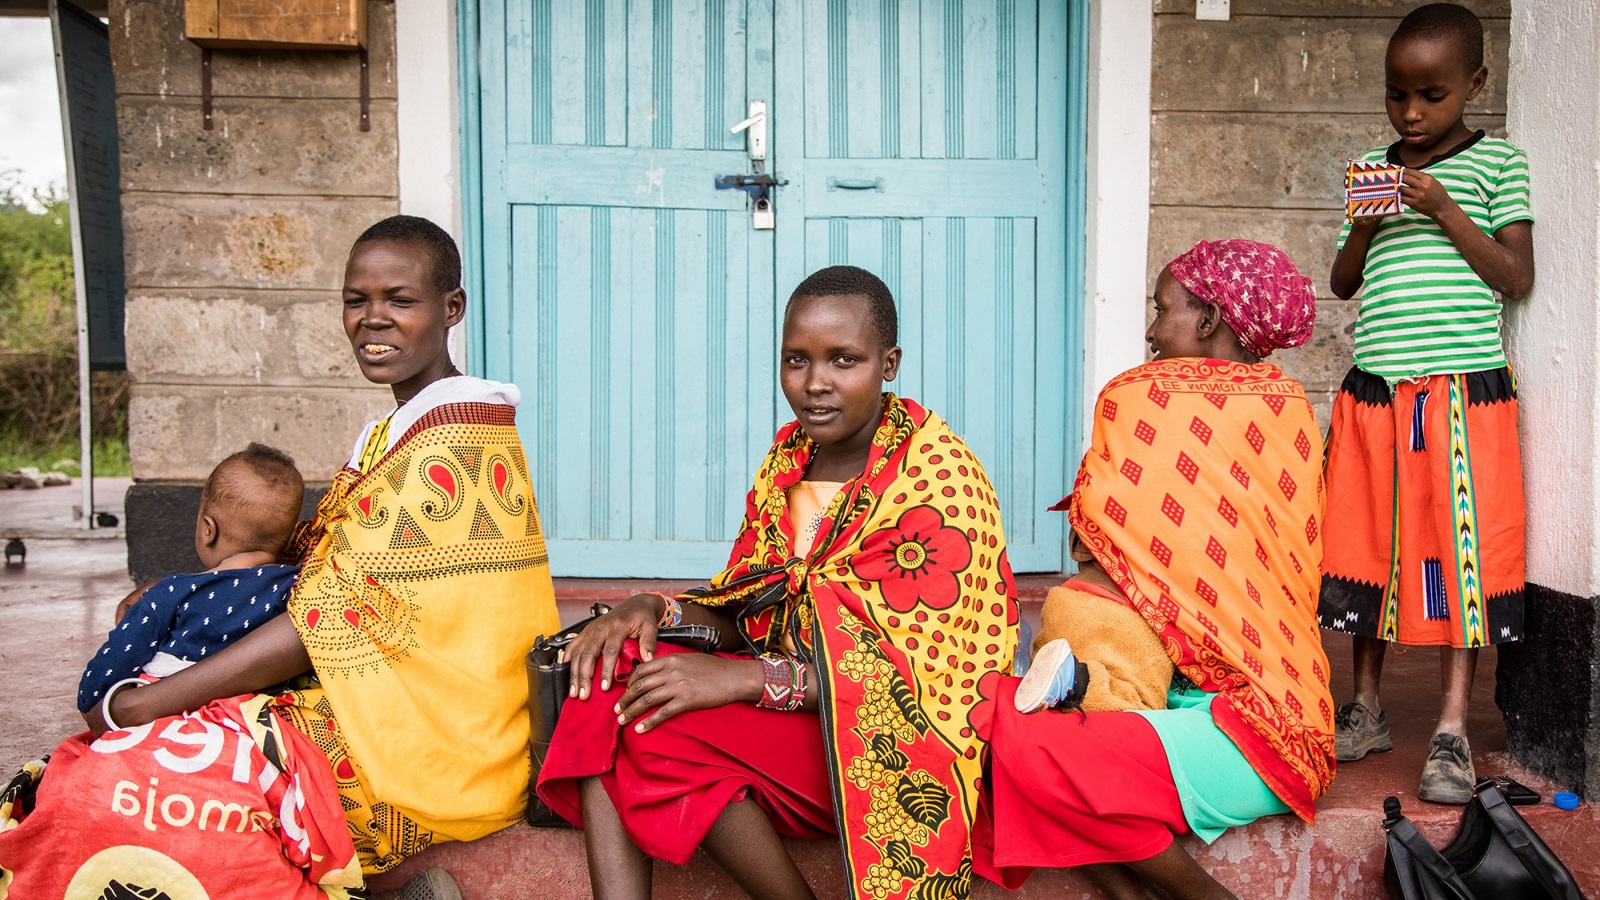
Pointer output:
x,y
429,120
1554,335
1120,35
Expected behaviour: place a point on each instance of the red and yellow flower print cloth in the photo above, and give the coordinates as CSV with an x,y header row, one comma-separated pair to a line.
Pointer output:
x,y
907,605
1201,496
424,582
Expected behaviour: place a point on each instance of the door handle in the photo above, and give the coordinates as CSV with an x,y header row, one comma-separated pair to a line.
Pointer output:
x,y
855,184
756,130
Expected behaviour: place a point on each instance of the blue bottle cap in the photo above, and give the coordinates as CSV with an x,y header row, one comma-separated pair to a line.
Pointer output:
x,y
1566,800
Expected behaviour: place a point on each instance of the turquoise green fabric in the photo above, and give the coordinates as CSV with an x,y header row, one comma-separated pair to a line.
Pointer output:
x,y
1216,785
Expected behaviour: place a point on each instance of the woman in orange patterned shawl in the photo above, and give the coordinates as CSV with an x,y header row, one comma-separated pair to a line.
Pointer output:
x,y
1200,497
869,585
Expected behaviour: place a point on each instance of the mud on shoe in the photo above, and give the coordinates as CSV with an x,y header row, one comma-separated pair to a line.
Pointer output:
x,y
1357,732
1448,776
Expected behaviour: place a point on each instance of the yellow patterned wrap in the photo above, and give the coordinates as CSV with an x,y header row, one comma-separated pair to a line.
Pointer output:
x,y
424,583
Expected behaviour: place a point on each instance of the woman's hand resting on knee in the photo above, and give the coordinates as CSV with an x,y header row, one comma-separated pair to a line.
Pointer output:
x,y
662,688
635,618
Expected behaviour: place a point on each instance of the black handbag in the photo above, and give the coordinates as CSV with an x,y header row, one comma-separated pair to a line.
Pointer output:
x,y
549,678
1495,854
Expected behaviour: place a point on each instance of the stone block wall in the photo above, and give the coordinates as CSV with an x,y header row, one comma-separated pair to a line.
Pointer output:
x,y
1251,122
235,246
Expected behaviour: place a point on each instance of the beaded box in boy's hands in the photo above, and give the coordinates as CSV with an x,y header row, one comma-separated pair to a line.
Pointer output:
x,y
1371,189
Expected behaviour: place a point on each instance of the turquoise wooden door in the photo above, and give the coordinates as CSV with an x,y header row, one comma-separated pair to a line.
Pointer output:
x,y
932,150
638,309
630,301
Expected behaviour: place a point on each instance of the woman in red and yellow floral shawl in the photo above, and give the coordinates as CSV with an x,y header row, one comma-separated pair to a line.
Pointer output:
x,y
869,584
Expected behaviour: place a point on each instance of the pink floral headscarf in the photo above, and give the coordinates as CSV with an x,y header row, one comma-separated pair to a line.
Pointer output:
x,y
1261,295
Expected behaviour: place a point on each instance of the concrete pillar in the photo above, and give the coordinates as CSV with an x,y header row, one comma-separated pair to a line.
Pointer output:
x,y
1548,684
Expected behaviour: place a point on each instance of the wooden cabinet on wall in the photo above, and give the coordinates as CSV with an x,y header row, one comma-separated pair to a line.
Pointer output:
x,y
277,24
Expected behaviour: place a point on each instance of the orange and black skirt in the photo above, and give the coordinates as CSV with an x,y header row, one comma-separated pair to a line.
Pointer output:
x,y
1423,529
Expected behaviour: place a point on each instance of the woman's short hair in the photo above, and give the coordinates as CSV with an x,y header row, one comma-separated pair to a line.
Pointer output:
x,y
841,281
443,256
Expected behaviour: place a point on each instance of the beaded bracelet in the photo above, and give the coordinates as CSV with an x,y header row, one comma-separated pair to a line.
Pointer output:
x,y
783,684
777,682
801,682
671,611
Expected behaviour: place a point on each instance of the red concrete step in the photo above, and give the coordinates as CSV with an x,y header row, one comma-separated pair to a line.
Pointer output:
x,y
1339,857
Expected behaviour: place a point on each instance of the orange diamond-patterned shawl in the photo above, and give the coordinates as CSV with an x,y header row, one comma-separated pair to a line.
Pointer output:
x,y
424,583
1201,495
906,605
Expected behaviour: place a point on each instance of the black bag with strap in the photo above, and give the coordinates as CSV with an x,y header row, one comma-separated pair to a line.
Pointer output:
x,y
1495,854
550,677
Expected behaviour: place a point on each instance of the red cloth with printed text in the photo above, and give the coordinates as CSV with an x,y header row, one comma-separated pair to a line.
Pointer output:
x,y
223,802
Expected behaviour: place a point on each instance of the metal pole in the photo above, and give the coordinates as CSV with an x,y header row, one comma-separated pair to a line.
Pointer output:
x,y
85,409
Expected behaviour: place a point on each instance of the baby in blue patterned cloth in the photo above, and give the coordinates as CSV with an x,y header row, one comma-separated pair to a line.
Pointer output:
x,y
248,510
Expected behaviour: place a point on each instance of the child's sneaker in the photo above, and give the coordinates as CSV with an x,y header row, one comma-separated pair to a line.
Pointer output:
x,y
1448,776
1357,732
1056,678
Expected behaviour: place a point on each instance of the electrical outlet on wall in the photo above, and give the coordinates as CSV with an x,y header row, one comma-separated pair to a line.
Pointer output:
x,y
1214,10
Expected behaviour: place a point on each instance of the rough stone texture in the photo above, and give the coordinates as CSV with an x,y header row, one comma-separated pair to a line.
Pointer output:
x,y
235,241
178,432
1308,236
209,241
258,146
1295,162
241,337
1548,687
150,56
1281,65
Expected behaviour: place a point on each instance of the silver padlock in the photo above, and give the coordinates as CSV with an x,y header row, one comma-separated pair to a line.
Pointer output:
x,y
762,218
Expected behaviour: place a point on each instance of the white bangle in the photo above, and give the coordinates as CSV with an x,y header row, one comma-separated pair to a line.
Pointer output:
x,y
105,702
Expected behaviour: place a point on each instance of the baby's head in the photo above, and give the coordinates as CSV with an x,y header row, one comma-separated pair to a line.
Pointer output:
x,y
1433,67
249,504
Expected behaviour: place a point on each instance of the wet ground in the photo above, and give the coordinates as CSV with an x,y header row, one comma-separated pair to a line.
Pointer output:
x,y
55,609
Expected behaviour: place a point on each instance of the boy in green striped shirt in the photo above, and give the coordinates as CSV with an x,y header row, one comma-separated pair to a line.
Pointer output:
x,y
1424,519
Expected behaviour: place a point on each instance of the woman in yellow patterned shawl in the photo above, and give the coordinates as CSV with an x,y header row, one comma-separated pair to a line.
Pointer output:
x,y
866,609
424,581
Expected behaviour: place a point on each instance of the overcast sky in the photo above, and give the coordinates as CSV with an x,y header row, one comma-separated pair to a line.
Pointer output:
x,y
30,110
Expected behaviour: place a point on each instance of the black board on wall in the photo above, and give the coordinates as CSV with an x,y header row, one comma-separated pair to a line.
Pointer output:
x,y
89,114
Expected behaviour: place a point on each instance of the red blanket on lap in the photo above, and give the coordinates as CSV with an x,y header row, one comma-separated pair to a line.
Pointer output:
x,y
223,802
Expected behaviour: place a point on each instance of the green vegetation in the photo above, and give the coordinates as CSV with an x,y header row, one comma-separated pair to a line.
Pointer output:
x,y
39,344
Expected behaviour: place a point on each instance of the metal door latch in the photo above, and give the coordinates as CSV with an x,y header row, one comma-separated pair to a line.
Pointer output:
x,y
759,187
758,184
